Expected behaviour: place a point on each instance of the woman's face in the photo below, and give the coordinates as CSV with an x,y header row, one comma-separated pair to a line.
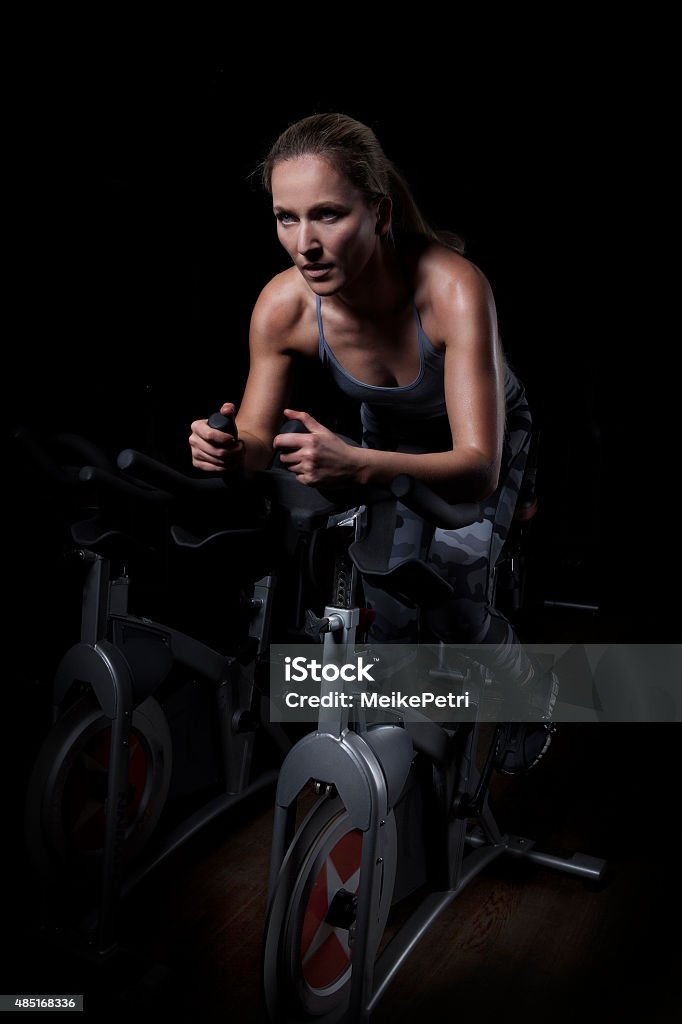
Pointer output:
x,y
323,222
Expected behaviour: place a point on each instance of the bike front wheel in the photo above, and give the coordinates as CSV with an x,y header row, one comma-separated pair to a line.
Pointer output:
x,y
310,930
65,812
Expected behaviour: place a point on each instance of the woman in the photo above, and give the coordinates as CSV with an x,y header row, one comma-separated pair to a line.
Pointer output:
x,y
406,326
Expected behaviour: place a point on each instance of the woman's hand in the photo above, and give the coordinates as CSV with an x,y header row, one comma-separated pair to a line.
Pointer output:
x,y
214,451
318,457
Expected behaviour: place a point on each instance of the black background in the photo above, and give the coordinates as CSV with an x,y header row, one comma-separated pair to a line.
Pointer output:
x,y
143,241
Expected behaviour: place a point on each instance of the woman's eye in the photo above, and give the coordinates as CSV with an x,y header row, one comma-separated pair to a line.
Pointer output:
x,y
323,214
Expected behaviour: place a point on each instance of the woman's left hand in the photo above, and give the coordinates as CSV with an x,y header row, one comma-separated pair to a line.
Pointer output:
x,y
318,457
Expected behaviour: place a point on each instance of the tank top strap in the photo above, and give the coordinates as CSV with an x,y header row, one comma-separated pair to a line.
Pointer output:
x,y
420,330
321,344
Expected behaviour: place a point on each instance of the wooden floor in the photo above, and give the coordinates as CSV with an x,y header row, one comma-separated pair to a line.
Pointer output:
x,y
521,943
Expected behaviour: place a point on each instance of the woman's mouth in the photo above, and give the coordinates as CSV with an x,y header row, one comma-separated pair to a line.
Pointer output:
x,y
317,269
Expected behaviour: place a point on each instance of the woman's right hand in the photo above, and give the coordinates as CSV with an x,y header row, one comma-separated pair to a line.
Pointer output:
x,y
214,451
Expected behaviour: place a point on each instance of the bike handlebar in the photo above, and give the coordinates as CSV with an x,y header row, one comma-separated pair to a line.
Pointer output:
x,y
95,475
151,480
150,471
414,494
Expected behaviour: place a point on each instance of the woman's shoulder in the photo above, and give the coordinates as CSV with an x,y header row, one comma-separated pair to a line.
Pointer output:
x,y
441,276
283,312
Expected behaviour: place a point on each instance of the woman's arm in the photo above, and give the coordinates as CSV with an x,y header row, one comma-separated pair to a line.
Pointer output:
x,y
269,382
463,309
272,334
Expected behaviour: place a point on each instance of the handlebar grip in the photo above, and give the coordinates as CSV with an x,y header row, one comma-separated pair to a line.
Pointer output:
x,y
225,423
419,497
293,427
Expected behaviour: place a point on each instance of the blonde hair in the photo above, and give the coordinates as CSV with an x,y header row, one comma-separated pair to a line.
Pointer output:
x,y
353,148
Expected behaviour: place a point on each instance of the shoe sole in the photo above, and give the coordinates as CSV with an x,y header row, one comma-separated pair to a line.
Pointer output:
x,y
551,729
552,699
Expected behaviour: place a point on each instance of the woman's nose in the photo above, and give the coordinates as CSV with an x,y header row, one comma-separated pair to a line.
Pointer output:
x,y
306,238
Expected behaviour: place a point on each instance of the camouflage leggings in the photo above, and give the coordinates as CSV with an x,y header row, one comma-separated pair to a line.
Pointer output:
x,y
465,559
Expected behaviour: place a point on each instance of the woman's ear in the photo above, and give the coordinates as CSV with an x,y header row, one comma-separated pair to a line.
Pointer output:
x,y
384,213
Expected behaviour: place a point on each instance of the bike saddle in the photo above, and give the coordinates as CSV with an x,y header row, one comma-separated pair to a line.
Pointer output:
x,y
100,536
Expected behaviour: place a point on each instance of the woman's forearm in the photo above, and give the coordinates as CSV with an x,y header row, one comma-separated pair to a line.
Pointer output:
x,y
463,475
257,452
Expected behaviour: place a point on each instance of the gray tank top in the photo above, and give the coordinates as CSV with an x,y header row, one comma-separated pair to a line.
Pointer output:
x,y
412,417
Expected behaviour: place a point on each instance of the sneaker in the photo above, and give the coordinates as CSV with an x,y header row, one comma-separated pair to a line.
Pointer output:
x,y
538,697
522,743
535,700
521,746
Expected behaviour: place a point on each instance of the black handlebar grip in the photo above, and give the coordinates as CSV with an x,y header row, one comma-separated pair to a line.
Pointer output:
x,y
224,423
419,497
293,427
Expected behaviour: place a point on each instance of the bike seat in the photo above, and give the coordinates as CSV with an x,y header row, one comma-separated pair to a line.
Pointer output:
x,y
103,539
247,535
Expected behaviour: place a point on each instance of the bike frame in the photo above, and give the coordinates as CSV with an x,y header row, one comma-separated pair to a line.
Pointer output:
x,y
368,768
98,658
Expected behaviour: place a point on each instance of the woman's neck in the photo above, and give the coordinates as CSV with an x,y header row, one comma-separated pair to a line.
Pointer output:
x,y
382,289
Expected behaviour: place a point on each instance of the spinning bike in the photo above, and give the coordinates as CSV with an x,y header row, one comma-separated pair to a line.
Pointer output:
x,y
121,780
403,804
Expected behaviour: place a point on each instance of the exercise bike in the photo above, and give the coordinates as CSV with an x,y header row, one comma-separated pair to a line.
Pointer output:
x,y
120,781
403,803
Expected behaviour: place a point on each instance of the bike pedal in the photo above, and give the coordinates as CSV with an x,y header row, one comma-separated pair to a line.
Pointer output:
x,y
315,626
